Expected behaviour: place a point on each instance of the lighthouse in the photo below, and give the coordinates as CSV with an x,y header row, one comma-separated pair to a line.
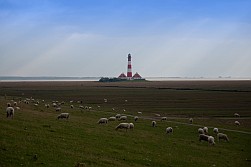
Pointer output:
x,y
129,67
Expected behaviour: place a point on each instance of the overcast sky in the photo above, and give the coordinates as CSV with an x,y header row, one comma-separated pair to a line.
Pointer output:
x,y
168,38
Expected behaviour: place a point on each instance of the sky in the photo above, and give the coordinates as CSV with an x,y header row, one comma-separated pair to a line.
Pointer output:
x,y
92,38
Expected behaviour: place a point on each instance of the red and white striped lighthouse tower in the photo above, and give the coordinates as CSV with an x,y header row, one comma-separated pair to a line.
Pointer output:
x,y
129,67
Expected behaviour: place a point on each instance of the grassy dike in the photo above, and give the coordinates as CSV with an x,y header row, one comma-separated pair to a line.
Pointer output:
x,y
36,138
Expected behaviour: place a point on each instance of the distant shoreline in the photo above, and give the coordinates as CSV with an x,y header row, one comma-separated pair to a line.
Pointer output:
x,y
74,79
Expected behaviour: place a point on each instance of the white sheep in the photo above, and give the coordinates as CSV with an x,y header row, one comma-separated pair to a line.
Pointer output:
x,y
236,115
216,130
191,120
47,105
112,119
163,118
139,112
72,106
157,115
211,140
123,126
58,109
237,123
123,118
169,130
154,123
103,121
136,118
15,103
63,115
222,136
10,112
54,104
131,125
18,108
205,129
203,137
118,116
201,131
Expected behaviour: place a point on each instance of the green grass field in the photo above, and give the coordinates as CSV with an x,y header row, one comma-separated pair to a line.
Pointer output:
x,y
36,138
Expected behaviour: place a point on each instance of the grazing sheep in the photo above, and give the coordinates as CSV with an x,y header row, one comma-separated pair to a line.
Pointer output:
x,y
105,100
236,115
82,107
157,115
203,137
154,123
222,136
136,118
47,105
15,103
139,112
72,106
124,110
131,125
54,104
211,140
191,120
123,126
58,109
237,123
63,115
163,118
201,131
205,130
103,121
18,108
36,104
112,119
123,118
118,116
169,130
10,112
216,130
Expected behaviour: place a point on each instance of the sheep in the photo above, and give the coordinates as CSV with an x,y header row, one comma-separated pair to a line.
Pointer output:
x,y
15,103
112,119
216,130
154,123
139,112
123,126
203,137
47,105
236,115
118,116
163,118
18,108
157,115
105,100
103,121
169,130
201,131
211,140
205,129
237,123
222,136
123,118
72,106
82,107
10,112
191,120
131,125
8,105
136,118
124,110
58,109
64,115
54,104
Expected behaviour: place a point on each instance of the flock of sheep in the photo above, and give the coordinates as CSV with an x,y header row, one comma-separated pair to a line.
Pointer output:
x,y
203,132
